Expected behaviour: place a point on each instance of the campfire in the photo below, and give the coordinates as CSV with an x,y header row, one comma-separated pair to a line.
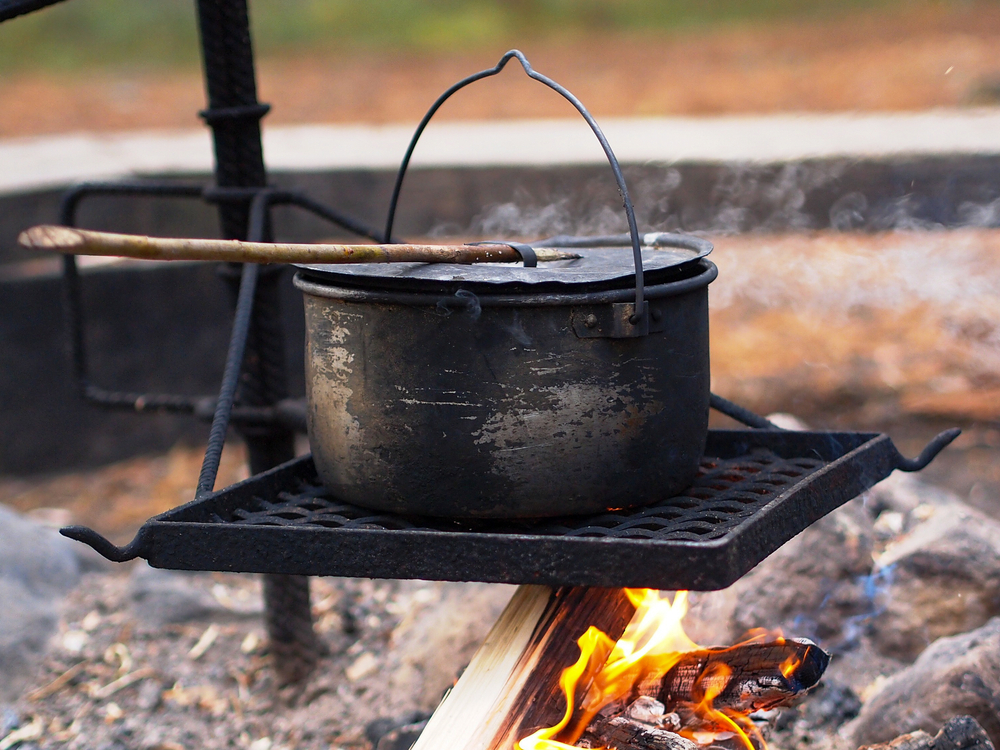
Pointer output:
x,y
656,689
613,668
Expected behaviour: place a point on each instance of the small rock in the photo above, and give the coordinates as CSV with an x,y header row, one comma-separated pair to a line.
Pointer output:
x,y
377,729
959,675
402,738
41,560
73,641
940,579
918,740
890,524
9,720
361,667
150,695
27,624
397,733
960,733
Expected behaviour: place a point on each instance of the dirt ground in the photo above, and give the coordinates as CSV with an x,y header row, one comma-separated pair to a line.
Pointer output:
x,y
940,55
117,680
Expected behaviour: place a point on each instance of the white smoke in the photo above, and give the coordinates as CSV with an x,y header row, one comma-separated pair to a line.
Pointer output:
x,y
947,280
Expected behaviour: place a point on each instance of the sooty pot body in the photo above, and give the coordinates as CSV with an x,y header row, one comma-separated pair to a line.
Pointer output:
x,y
504,407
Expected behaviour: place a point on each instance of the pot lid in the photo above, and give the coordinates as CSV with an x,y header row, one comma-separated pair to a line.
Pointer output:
x,y
605,262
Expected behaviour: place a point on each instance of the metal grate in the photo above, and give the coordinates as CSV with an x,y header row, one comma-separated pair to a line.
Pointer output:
x,y
726,492
755,491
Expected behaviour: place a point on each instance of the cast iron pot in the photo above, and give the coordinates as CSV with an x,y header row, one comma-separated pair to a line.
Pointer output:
x,y
511,392
508,404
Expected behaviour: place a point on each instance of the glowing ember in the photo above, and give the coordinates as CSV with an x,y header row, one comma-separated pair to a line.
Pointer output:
x,y
646,673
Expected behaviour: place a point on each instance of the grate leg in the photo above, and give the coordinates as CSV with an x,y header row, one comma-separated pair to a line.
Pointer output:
x,y
287,613
288,618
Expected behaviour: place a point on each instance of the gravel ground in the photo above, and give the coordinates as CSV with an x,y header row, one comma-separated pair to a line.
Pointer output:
x,y
117,679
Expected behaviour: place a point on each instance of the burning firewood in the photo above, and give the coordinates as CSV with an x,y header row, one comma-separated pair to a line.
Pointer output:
x,y
646,686
644,725
511,686
748,677
703,690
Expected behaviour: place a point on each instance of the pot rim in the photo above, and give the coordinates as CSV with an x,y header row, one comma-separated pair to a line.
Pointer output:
x,y
310,286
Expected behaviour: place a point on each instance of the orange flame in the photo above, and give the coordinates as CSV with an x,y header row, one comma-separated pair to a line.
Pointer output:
x,y
789,665
651,645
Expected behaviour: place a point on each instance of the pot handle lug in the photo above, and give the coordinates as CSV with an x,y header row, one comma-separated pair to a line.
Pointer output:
x,y
640,310
616,321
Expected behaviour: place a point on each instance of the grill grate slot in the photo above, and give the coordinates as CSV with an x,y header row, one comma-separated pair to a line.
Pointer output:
x,y
726,492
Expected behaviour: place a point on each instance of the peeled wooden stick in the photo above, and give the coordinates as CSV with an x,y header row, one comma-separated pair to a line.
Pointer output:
x,y
87,242
511,687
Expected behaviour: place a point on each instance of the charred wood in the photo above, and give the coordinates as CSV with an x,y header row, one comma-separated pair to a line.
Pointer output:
x,y
747,677
647,725
644,725
623,733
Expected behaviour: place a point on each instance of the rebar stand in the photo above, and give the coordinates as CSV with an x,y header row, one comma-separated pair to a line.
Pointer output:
x,y
234,115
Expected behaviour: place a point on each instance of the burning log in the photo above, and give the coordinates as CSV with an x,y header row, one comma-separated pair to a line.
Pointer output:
x,y
748,677
703,690
511,687
644,725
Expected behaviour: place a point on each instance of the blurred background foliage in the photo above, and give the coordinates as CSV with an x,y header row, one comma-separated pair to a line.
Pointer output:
x,y
162,33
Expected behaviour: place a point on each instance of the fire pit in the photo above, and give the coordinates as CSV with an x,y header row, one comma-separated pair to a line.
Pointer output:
x,y
753,490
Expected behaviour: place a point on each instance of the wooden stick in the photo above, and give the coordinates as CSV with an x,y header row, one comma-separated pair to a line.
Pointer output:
x,y
511,687
86,242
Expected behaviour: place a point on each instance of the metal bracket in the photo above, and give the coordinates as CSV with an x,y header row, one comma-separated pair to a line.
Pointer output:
x,y
617,321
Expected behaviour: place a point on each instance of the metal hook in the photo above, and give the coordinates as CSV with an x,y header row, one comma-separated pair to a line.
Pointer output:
x,y
929,453
103,547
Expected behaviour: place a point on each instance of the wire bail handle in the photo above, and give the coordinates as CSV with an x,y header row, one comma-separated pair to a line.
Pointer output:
x,y
641,308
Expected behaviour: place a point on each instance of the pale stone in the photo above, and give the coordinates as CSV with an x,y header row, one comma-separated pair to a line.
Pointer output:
x,y
940,579
959,675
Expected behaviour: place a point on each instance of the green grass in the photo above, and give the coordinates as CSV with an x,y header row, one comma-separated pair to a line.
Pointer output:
x,y
80,34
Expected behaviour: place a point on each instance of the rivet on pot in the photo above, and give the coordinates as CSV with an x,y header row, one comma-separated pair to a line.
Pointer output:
x,y
657,315
590,321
